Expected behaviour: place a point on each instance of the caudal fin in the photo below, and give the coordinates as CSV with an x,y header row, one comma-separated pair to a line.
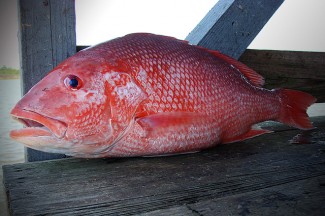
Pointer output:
x,y
294,107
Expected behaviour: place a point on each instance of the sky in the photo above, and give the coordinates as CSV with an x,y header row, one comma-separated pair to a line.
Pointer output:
x,y
8,34
297,24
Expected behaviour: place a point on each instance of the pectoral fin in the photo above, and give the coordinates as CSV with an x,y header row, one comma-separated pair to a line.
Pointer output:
x,y
179,122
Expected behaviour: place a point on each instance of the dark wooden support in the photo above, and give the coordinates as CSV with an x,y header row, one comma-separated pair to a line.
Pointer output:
x,y
281,173
231,25
304,71
47,36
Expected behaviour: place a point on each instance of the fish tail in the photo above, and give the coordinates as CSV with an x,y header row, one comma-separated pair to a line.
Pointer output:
x,y
294,105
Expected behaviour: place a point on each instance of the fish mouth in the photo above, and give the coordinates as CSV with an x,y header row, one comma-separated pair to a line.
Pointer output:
x,y
36,125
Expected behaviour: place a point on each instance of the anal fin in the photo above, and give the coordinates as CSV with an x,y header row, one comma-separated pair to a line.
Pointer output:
x,y
253,132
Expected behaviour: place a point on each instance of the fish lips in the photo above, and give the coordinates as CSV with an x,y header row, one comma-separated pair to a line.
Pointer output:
x,y
36,125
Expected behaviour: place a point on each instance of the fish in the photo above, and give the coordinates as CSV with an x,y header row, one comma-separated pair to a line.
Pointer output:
x,y
149,95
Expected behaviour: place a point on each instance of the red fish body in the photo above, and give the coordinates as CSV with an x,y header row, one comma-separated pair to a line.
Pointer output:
x,y
144,94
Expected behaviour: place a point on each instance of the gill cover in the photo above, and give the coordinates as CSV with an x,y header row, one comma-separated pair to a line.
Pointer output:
x,y
125,97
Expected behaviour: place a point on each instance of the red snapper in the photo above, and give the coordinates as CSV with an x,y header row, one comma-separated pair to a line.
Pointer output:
x,y
145,94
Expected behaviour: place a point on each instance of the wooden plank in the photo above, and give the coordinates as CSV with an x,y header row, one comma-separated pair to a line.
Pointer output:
x,y
47,36
284,199
231,25
175,211
303,71
288,158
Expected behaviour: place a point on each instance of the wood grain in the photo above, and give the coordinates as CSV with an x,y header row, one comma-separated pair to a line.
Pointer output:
x,y
47,37
267,174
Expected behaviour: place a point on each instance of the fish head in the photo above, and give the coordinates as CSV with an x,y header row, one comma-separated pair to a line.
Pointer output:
x,y
81,108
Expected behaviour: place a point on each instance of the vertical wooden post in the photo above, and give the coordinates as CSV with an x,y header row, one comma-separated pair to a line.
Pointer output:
x,y
231,25
47,36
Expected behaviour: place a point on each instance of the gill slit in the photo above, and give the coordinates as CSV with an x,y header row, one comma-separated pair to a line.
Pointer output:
x,y
119,137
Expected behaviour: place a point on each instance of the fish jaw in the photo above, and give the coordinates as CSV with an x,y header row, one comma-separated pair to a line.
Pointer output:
x,y
36,125
50,135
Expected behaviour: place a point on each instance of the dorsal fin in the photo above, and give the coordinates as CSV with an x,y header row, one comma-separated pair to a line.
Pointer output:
x,y
255,78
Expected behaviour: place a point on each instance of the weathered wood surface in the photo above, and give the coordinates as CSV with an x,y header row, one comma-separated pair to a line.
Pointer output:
x,y
281,173
47,36
231,25
303,71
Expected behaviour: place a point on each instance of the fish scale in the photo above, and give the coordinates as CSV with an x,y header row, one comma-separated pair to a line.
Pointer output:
x,y
186,63
144,95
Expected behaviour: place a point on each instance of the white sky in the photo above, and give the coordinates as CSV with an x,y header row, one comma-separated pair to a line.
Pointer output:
x,y
120,17
297,25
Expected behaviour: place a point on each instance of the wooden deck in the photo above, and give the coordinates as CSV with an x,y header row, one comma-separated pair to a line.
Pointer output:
x,y
282,173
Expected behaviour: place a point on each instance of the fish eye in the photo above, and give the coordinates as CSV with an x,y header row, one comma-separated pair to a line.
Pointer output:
x,y
73,82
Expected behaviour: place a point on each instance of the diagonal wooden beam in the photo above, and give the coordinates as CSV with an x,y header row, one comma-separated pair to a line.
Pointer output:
x,y
231,25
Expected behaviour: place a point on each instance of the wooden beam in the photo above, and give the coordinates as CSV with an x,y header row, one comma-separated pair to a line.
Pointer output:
x,y
304,71
231,25
266,175
47,36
